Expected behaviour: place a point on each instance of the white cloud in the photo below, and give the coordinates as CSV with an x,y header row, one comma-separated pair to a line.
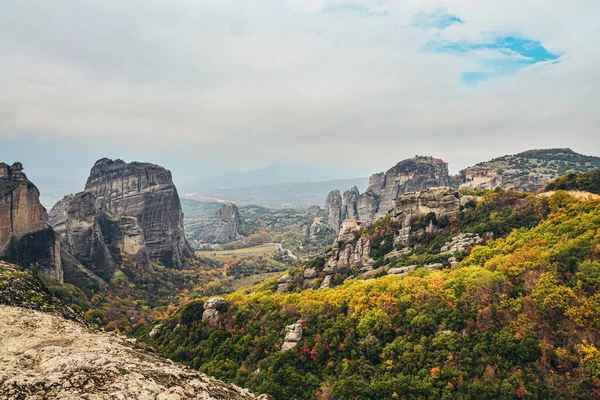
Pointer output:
x,y
270,80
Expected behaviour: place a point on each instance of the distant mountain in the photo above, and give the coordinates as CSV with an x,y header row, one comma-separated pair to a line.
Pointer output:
x,y
279,195
527,171
271,175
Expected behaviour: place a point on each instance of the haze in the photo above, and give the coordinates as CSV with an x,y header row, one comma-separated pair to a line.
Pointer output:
x,y
351,87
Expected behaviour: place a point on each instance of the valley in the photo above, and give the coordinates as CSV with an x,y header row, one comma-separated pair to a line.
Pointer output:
x,y
422,286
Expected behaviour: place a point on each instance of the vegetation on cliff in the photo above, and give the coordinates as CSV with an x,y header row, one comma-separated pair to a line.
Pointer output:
x,y
517,318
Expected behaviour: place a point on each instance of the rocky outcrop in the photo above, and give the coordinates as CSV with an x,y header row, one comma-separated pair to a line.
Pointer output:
x,y
25,236
527,171
80,363
333,210
226,224
441,201
212,307
461,243
132,209
412,175
47,351
293,334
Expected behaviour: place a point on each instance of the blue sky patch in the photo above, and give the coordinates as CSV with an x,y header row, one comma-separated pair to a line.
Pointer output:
x,y
504,56
439,19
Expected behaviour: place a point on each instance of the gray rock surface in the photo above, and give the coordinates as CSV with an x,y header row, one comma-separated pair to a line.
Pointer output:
x,y
225,227
25,236
411,175
125,208
293,334
333,210
44,356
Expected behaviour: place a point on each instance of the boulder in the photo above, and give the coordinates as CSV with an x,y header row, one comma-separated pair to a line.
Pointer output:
x,y
287,278
326,282
209,314
310,273
214,303
156,331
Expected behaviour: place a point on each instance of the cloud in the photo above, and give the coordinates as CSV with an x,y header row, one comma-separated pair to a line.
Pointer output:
x,y
235,84
438,18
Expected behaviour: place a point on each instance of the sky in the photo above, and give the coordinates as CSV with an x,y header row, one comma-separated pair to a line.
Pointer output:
x,y
205,87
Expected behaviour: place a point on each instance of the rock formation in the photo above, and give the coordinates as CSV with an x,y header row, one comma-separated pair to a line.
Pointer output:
x,y
226,224
441,201
293,334
125,208
211,307
48,352
412,175
527,171
25,236
333,210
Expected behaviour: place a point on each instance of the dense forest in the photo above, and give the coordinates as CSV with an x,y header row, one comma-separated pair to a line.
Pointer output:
x,y
516,318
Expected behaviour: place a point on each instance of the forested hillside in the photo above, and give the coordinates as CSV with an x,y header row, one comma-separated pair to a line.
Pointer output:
x,y
517,318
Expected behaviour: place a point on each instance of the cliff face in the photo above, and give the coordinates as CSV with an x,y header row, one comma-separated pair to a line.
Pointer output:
x,y
125,208
333,210
412,175
226,224
25,237
527,171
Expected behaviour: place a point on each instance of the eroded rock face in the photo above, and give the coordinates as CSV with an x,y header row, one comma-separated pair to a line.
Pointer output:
x,y
211,307
442,201
80,363
226,224
333,210
293,334
412,175
125,208
25,236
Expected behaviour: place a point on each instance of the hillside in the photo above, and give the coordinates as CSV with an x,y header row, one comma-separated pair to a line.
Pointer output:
x,y
44,355
516,318
527,171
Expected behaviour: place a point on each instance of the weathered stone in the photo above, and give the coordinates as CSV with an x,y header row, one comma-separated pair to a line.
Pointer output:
x,y
209,314
373,273
214,303
125,208
225,227
434,267
25,237
402,270
293,333
283,288
310,273
461,243
75,362
333,210
285,279
156,331
326,282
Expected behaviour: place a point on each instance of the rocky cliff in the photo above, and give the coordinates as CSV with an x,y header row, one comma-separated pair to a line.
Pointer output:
x,y
527,171
412,175
46,352
130,208
225,227
25,236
